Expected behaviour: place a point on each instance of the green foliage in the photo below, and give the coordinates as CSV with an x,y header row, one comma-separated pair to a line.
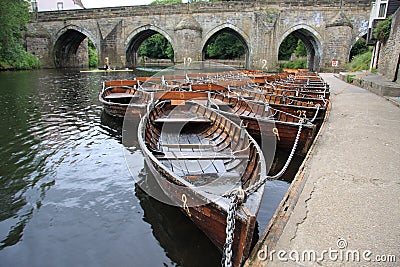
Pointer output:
x,y
287,47
301,50
360,47
93,57
382,29
360,62
21,60
291,44
225,46
297,64
350,78
14,14
156,46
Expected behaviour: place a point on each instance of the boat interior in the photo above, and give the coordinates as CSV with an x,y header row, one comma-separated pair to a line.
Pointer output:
x,y
201,146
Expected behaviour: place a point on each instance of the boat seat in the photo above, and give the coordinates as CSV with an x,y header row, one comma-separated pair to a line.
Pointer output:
x,y
121,95
188,146
200,155
181,120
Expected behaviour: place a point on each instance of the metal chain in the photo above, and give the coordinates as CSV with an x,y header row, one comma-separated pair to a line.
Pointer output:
x,y
316,113
240,195
230,228
261,182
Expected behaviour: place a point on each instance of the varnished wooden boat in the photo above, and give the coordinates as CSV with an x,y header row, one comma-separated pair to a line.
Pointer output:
x,y
295,91
313,113
266,123
121,95
267,97
197,156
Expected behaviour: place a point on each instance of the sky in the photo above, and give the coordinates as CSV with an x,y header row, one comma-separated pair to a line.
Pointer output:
x,y
45,5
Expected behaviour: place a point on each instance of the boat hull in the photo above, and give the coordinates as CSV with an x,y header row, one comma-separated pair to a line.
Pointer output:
x,y
210,218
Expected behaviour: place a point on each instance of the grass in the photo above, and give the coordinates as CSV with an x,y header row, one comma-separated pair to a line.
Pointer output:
x,y
360,62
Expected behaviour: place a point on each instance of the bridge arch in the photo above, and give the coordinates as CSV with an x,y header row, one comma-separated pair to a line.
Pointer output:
x,y
232,29
312,41
137,37
66,45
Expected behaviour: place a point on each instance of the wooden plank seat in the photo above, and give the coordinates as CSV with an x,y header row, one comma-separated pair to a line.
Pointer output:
x,y
199,155
182,120
121,95
188,146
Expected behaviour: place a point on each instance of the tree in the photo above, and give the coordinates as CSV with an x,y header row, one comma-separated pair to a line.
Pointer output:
x,y
225,46
156,46
301,50
93,57
287,47
14,15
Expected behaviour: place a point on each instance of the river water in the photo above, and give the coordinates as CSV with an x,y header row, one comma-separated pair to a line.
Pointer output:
x,y
67,197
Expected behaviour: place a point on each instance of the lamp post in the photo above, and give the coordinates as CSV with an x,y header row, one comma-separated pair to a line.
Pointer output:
x,y
186,2
60,6
34,6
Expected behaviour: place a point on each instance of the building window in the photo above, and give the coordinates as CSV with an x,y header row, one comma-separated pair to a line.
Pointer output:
x,y
382,10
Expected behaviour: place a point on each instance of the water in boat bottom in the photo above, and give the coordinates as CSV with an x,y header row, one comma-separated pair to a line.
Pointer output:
x,y
67,197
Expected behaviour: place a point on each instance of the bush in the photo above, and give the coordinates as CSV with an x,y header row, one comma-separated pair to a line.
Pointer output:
x,y
298,64
382,29
20,61
350,78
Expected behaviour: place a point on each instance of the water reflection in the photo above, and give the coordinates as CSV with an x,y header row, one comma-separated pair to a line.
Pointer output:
x,y
180,238
25,175
112,125
50,121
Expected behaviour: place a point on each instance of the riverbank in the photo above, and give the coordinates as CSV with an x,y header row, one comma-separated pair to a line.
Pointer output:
x,y
344,200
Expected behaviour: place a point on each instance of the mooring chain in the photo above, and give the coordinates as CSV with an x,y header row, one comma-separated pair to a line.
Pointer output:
x,y
261,182
316,113
230,228
238,196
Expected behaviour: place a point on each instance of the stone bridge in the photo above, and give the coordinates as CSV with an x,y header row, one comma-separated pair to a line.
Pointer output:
x,y
328,30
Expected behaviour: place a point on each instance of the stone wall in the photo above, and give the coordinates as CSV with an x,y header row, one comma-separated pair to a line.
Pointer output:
x,y
390,53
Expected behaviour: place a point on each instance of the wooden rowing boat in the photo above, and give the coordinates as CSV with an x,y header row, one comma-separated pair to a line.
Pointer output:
x,y
120,95
313,113
267,97
267,124
198,156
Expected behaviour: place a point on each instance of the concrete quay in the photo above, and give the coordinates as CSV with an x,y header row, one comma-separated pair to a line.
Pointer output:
x,y
343,207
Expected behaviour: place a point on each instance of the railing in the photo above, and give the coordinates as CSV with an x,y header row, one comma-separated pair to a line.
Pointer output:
x,y
199,7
